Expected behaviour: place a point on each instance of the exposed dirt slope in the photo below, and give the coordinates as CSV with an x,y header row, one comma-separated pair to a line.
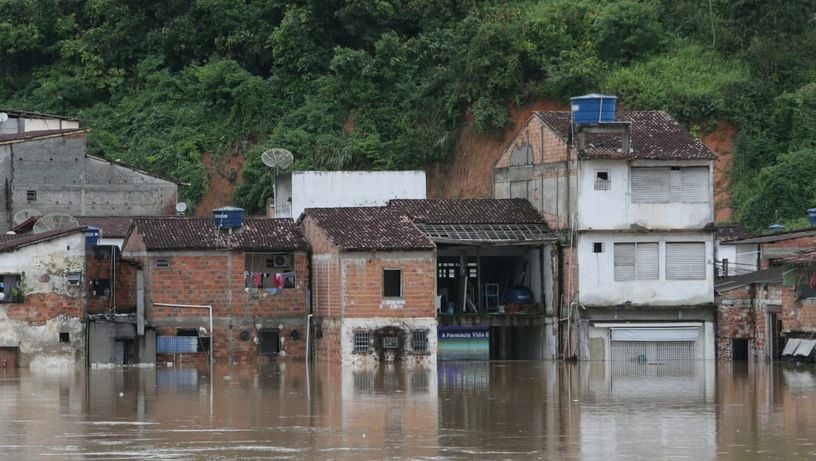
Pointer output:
x,y
470,172
721,141
224,174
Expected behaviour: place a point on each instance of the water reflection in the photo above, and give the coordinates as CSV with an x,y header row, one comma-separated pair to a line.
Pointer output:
x,y
460,410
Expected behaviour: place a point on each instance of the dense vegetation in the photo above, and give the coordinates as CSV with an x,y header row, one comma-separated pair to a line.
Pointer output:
x,y
384,84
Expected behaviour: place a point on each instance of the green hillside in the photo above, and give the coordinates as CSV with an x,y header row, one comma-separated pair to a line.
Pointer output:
x,y
385,84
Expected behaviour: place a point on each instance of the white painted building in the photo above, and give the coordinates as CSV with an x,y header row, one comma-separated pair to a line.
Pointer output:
x,y
15,121
299,190
632,199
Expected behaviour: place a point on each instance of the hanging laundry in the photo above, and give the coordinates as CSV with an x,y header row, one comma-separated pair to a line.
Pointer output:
x,y
256,279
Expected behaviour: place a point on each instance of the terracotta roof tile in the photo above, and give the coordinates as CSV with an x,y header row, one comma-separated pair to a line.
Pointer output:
x,y
468,211
257,234
10,242
369,228
655,135
804,259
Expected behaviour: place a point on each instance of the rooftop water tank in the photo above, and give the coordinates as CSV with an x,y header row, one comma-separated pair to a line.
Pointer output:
x,y
776,227
812,216
228,217
594,108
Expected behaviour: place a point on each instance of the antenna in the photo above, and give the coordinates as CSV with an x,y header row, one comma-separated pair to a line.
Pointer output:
x,y
24,215
181,207
276,158
54,221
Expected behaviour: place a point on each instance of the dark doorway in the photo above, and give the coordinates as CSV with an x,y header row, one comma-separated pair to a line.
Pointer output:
x,y
739,349
8,357
270,342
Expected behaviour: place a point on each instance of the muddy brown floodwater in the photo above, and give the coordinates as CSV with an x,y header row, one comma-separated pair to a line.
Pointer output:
x,y
458,410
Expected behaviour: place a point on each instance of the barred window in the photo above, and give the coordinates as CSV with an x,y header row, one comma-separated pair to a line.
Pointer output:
x,y
602,180
419,341
361,341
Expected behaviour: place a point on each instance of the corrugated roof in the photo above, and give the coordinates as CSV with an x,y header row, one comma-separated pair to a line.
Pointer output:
x,y
369,228
776,237
655,135
11,242
33,114
29,135
257,234
487,233
772,275
468,211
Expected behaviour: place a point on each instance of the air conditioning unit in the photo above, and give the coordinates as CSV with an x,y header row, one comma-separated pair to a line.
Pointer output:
x,y
281,261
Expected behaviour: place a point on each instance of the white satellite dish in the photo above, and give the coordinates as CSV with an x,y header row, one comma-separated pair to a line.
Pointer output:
x,y
55,221
277,158
181,207
3,117
24,215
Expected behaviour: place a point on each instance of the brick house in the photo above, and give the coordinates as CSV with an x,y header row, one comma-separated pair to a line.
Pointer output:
x,y
373,277
256,280
42,301
799,301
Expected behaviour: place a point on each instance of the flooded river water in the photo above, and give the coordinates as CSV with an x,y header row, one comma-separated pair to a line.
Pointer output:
x,y
459,410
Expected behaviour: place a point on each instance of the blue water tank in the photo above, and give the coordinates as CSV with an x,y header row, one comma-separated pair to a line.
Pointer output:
x,y
776,227
593,108
812,216
228,217
92,235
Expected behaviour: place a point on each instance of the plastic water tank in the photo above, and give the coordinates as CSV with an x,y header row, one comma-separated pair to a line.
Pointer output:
x,y
812,216
228,217
593,108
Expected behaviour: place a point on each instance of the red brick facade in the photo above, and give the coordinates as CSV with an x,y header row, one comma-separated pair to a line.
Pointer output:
x,y
240,312
98,262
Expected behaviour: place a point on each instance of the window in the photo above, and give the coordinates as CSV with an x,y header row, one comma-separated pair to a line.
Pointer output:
x,y
203,341
271,271
392,283
11,290
602,181
685,261
664,185
597,247
73,278
419,341
361,341
64,337
269,341
31,195
100,288
162,263
636,261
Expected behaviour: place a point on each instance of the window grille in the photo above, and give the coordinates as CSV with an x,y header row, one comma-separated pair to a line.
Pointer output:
x,y
419,341
361,341
602,180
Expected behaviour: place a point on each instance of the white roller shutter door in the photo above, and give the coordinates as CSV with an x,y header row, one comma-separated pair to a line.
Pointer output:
x,y
650,185
685,261
624,262
647,261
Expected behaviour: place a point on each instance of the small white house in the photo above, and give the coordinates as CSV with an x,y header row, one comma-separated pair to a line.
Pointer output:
x,y
299,190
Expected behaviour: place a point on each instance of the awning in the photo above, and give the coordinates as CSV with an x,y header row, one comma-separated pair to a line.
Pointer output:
x,y
805,347
655,334
791,346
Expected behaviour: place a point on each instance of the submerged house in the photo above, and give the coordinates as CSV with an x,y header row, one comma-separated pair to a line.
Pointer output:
x,y
630,194
373,279
236,289
42,299
495,283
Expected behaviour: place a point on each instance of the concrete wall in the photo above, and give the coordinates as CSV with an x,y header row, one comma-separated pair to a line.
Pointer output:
x,y
614,209
103,334
405,325
66,181
597,285
320,189
50,305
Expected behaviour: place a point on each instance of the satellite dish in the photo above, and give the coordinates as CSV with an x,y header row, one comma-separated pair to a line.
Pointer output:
x,y
24,215
181,207
55,221
277,158
3,117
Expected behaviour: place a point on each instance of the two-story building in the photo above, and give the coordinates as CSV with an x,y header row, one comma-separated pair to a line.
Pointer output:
x,y
631,194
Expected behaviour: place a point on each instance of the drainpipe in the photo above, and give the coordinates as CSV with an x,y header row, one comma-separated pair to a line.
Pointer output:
x,y
308,337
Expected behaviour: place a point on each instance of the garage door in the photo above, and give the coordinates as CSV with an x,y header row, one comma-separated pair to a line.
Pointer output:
x,y
654,345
